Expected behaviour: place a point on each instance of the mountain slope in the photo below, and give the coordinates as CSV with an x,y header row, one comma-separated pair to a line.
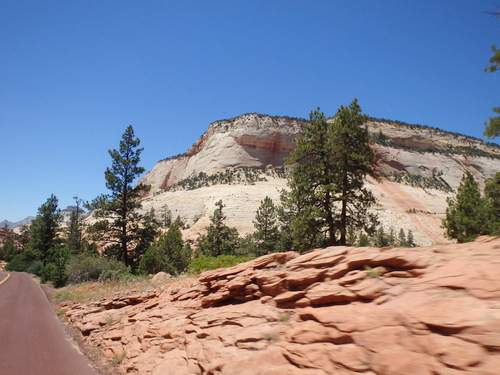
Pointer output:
x,y
240,161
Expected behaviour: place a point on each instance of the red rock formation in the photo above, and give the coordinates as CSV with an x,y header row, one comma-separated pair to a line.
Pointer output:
x,y
339,310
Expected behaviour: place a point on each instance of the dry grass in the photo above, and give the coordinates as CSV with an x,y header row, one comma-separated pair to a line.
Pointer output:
x,y
90,292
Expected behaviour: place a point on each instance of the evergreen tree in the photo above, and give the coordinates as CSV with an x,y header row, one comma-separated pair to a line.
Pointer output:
x,y
331,161
55,269
146,233
166,216
492,198
285,211
466,214
410,241
44,231
363,240
493,126
351,236
381,239
266,226
74,237
219,239
168,253
121,229
402,237
9,249
391,238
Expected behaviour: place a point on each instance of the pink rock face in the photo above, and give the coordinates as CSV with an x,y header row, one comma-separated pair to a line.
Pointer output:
x,y
430,310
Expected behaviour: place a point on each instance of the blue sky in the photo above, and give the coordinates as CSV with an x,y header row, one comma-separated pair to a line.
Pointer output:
x,y
75,74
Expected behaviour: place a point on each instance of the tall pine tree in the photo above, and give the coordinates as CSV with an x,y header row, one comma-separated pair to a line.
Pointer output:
x,y
330,163
122,229
43,235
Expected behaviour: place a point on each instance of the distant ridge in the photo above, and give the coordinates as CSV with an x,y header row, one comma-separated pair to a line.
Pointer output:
x,y
65,213
10,225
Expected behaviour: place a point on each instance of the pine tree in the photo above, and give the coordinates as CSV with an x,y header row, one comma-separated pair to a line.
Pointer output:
x,y
9,249
266,226
466,214
166,216
44,230
363,240
168,253
121,229
492,199
330,162
219,239
402,237
74,237
410,242
381,239
493,125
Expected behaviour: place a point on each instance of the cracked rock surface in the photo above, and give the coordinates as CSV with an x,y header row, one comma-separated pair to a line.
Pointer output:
x,y
339,310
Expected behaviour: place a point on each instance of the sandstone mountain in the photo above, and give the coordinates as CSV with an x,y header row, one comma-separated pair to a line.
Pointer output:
x,y
338,311
240,161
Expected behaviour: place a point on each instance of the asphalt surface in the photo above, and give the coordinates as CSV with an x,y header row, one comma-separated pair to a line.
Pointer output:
x,y
32,339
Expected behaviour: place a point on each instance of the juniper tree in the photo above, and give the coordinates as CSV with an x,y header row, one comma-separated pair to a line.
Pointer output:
x,y
330,163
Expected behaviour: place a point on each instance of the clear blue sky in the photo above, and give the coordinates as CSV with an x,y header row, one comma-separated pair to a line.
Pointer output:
x,y
75,74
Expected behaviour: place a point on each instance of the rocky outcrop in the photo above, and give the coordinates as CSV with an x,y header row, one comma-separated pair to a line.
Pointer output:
x,y
249,140
254,140
339,310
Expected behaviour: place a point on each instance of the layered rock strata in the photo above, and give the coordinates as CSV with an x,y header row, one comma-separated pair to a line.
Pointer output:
x,y
339,310
424,160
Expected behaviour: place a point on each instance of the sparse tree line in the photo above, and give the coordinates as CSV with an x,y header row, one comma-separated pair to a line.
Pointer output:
x,y
380,138
326,204
244,175
415,180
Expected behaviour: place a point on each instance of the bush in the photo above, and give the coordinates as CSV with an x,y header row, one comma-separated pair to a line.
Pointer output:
x,y
205,263
51,272
35,267
18,263
168,253
92,268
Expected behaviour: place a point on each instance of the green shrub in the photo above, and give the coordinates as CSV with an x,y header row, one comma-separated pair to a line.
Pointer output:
x,y
35,267
51,272
205,263
90,268
18,263
168,253
113,275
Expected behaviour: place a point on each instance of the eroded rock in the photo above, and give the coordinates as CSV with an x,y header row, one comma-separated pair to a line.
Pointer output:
x,y
430,310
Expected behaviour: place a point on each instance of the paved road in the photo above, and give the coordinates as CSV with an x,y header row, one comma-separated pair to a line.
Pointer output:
x,y
32,340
